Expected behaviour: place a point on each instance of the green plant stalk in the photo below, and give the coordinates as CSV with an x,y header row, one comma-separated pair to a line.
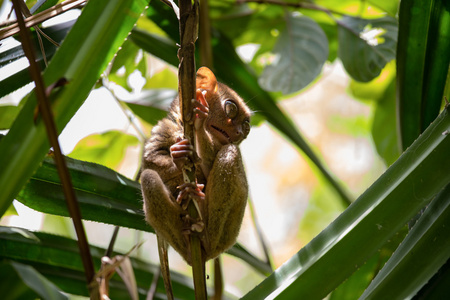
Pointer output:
x,y
45,110
414,20
405,188
420,255
84,54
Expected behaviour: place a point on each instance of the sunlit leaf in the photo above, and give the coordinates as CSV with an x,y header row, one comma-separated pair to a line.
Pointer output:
x,y
366,45
128,60
165,79
8,113
299,55
83,56
107,148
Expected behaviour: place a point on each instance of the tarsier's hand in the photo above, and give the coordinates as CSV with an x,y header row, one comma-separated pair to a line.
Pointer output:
x,y
200,108
182,152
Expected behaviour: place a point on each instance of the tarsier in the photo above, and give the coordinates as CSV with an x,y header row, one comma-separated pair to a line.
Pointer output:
x,y
221,121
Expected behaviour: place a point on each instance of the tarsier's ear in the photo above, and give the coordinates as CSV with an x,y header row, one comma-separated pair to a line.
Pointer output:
x,y
206,80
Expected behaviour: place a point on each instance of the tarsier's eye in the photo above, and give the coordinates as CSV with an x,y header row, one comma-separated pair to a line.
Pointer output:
x,y
246,127
231,110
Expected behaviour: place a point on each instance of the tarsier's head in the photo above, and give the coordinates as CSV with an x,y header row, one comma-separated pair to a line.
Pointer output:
x,y
228,120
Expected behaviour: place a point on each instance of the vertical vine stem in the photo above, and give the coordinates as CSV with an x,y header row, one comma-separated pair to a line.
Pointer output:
x,y
187,92
47,116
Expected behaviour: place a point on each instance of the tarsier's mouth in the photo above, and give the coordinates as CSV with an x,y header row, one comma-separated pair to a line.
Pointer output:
x,y
223,132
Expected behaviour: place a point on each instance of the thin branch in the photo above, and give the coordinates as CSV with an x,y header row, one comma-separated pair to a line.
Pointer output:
x,y
45,110
40,17
187,92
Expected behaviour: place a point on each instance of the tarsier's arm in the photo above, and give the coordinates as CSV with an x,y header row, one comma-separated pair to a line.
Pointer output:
x,y
221,123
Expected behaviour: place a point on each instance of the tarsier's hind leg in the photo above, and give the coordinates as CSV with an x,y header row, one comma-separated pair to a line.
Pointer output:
x,y
161,210
227,193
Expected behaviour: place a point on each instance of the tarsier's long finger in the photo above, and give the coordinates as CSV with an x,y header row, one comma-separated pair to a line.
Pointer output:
x,y
200,97
181,154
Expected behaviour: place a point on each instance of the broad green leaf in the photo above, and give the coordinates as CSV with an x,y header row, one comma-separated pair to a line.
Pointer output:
x,y
421,254
106,149
58,259
380,212
7,115
384,131
86,51
299,55
103,196
366,45
38,283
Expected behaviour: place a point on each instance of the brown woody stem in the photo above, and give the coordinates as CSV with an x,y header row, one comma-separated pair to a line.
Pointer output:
x,y
186,89
47,116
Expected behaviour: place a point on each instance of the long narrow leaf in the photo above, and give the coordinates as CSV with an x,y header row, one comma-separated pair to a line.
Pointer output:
x,y
58,259
419,257
103,195
437,61
85,53
414,20
368,223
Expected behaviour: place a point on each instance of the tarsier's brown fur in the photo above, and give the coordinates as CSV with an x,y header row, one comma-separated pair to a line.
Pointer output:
x,y
221,123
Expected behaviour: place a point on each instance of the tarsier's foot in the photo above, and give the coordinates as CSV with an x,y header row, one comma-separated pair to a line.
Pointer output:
x,y
192,225
190,191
